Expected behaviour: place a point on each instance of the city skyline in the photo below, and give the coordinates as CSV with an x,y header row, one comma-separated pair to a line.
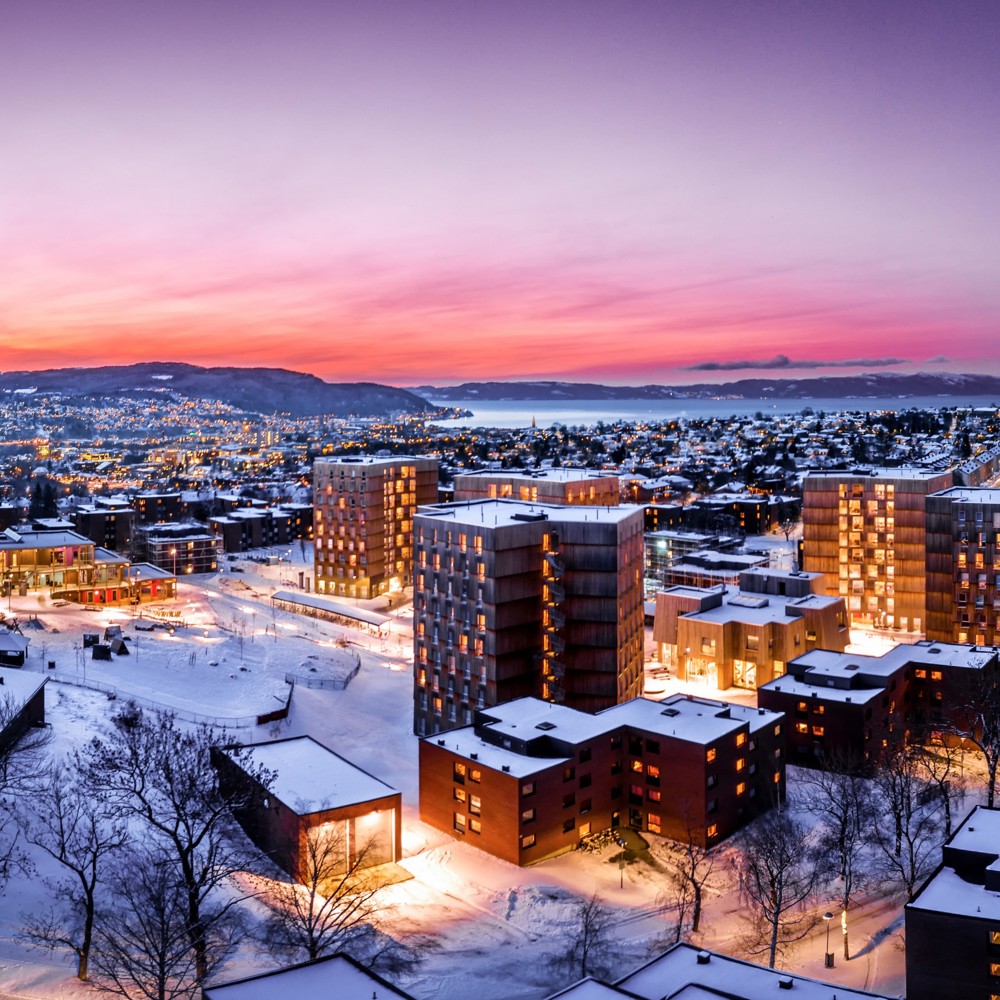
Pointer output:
x,y
437,192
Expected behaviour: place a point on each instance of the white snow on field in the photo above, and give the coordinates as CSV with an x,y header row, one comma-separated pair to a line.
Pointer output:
x,y
494,929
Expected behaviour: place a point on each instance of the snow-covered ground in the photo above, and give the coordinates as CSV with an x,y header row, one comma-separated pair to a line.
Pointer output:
x,y
495,929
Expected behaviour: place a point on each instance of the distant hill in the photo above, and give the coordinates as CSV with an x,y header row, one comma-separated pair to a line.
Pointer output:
x,y
258,390
824,387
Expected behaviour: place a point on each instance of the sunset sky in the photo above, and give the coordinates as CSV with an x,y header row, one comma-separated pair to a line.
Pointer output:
x,y
412,191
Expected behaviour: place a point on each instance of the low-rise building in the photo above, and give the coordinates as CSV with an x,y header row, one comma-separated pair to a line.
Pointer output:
x,y
848,706
746,636
686,972
337,976
310,791
22,704
953,921
530,779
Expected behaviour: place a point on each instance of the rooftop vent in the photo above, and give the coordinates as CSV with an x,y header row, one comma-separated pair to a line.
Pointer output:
x,y
440,743
704,957
785,983
671,712
533,516
474,756
546,725
505,768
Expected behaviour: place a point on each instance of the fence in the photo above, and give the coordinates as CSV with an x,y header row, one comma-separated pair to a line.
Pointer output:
x,y
326,683
219,722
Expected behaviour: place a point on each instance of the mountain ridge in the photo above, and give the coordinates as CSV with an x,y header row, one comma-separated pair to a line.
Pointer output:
x,y
258,390
821,387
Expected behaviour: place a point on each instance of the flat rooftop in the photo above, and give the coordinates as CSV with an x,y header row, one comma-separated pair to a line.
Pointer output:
x,y
527,718
503,513
694,720
721,976
370,461
310,778
916,473
560,475
466,743
969,494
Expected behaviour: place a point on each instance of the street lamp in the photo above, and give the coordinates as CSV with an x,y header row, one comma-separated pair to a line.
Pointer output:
x,y
173,553
621,862
828,958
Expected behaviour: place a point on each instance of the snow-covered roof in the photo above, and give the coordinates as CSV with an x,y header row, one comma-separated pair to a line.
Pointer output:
x,y
467,744
310,778
337,976
684,965
20,685
330,607
979,832
589,989
11,642
501,513
526,718
560,475
694,720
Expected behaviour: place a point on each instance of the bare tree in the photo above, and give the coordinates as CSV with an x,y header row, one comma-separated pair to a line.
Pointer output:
x,y
334,901
22,756
80,832
163,774
778,877
839,798
908,843
588,944
675,898
142,945
694,864
940,764
978,722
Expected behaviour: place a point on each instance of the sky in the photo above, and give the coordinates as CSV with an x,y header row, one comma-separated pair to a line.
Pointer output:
x,y
436,191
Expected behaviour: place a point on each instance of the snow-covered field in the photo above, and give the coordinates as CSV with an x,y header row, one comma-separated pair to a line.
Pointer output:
x,y
494,930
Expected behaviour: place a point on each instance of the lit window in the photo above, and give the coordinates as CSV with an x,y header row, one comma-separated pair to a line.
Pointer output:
x,y
741,738
460,822
528,840
459,794
741,763
475,826
653,822
458,772
712,831
528,816
801,727
475,805
475,775
741,788
636,766
710,756
528,788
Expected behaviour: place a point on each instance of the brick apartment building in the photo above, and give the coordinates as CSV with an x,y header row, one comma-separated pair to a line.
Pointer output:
x,y
364,510
106,522
745,636
848,706
514,599
552,486
963,566
953,920
865,531
530,779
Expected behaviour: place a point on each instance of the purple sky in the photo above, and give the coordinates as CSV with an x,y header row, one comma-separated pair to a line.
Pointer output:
x,y
417,191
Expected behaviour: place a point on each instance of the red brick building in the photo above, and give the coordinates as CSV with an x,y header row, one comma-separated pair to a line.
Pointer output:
x,y
312,788
848,706
530,779
953,921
